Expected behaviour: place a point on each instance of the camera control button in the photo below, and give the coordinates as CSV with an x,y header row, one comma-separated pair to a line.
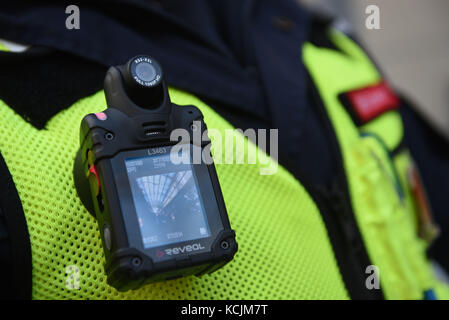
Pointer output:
x,y
107,237
101,116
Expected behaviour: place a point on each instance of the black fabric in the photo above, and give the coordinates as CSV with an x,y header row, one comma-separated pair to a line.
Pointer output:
x,y
186,37
15,249
319,30
5,260
430,150
40,82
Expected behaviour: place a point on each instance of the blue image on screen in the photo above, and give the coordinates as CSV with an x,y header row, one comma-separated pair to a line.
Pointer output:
x,y
168,204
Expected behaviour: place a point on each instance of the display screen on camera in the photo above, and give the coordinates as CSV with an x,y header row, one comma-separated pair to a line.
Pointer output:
x,y
168,204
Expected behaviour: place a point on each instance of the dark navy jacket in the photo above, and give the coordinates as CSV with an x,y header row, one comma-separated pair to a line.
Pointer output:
x,y
242,57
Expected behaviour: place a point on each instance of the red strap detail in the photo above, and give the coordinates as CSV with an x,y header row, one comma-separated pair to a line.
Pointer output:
x,y
93,170
369,103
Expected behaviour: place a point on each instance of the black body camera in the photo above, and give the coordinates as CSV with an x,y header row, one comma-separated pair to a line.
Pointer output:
x,y
159,220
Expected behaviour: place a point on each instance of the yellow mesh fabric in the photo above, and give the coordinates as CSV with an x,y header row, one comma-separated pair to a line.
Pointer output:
x,y
385,222
284,251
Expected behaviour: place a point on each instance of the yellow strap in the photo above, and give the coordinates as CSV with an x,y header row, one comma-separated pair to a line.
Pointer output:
x,y
384,219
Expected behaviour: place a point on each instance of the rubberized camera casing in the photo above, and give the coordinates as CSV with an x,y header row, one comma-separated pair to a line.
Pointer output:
x,y
127,128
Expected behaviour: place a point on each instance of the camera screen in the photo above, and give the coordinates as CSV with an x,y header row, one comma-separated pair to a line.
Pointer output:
x,y
167,200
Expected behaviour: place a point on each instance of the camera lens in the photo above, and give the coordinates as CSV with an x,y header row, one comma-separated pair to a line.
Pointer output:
x,y
143,82
145,71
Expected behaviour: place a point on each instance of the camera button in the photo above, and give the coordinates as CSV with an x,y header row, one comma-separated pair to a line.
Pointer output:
x,y
101,116
107,237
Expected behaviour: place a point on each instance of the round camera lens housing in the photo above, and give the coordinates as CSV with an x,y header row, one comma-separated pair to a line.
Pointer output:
x,y
143,82
145,71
